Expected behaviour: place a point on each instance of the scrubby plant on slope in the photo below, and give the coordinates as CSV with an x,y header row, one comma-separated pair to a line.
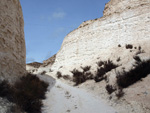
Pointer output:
x,y
25,93
140,51
59,75
110,89
43,72
141,69
104,67
120,93
80,77
129,46
6,90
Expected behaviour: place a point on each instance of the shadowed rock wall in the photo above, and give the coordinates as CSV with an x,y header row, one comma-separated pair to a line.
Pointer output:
x,y
12,43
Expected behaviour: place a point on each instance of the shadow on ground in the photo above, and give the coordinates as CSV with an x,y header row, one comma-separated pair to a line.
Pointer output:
x,y
48,79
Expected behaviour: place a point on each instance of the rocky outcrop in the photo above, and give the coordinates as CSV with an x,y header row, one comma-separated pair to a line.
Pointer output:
x,y
49,61
35,64
124,22
12,43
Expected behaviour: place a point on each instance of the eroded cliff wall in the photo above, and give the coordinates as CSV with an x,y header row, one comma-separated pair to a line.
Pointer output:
x,y
12,43
124,22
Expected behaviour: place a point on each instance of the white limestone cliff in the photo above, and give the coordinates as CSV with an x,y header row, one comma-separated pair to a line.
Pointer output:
x,y
124,22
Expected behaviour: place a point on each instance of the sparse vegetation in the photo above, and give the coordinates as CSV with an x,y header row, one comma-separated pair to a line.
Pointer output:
x,y
86,68
100,63
110,89
119,93
129,46
66,77
141,70
59,75
137,59
118,59
104,67
6,90
25,93
140,50
78,77
43,72
119,45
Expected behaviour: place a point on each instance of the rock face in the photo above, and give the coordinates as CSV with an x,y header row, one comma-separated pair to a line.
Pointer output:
x,y
124,22
35,64
12,43
49,61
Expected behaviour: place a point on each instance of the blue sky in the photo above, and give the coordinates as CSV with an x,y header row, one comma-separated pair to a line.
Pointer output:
x,y
47,22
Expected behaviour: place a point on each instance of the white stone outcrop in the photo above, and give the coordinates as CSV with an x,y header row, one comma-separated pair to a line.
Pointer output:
x,y
124,22
12,43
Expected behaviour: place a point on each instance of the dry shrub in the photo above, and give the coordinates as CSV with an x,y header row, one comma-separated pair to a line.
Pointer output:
x,y
110,89
141,70
120,93
43,73
105,66
66,77
86,68
129,46
59,75
26,93
78,77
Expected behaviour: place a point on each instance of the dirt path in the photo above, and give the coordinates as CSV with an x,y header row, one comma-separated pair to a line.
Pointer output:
x,y
63,98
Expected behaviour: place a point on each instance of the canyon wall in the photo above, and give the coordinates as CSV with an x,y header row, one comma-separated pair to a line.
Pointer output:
x,y
124,22
12,43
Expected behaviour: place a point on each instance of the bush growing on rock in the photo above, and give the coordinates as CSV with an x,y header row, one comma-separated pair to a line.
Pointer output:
x,y
25,93
141,70
80,77
6,90
43,73
129,46
110,89
119,45
86,68
66,77
119,93
104,67
59,75
140,51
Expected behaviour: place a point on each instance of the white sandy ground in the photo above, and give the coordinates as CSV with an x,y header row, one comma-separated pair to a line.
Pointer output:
x,y
62,98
